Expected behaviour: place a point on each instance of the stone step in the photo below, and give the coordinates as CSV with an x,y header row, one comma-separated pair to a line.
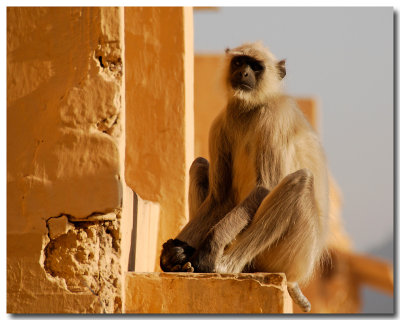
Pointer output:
x,y
155,292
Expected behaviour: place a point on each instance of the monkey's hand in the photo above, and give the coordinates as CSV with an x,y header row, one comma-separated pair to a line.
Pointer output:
x,y
175,256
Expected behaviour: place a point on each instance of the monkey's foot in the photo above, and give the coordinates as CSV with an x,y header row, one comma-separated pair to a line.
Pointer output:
x,y
175,256
187,267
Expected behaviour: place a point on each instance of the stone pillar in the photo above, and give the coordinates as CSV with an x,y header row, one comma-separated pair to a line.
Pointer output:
x,y
159,104
65,159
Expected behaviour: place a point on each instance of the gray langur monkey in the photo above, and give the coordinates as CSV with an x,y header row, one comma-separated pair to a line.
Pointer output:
x,y
261,204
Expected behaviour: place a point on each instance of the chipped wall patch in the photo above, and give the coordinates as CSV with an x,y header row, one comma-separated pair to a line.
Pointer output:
x,y
108,125
58,226
86,255
108,55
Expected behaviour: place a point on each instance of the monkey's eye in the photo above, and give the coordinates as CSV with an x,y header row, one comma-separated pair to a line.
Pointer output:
x,y
256,67
237,63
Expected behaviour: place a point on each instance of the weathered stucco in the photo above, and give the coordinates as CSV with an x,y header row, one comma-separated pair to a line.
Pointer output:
x,y
65,146
87,257
159,110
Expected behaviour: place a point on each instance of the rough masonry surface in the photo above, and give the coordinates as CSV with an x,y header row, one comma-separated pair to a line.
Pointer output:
x,y
85,257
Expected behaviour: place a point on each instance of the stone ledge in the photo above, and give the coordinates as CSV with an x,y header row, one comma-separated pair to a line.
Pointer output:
x,y
206,293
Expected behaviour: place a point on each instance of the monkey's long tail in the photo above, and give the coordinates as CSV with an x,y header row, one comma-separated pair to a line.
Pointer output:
x,y
298,296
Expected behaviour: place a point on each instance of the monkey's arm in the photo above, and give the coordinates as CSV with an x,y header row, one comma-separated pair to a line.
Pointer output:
x,y
177,252
226,230
217,203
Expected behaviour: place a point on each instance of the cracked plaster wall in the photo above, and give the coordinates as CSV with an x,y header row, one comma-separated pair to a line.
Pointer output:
x,y
65,152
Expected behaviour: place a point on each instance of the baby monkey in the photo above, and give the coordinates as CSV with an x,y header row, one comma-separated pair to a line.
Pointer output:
x,y
261,203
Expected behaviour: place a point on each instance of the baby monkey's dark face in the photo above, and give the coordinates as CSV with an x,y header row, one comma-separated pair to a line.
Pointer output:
x,y
245,72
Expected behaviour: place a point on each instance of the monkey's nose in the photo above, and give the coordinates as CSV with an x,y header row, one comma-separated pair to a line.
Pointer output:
x,y
244,74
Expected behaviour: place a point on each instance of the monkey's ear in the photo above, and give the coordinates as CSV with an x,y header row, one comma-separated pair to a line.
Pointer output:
x,y
282,68
227,50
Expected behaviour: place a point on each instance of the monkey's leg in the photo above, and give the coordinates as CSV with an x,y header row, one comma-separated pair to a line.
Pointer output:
x,y
283,236
198,184
220,199
176,252
226,230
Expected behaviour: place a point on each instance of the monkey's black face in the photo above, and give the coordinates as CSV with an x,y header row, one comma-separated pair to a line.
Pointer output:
x,y
245,72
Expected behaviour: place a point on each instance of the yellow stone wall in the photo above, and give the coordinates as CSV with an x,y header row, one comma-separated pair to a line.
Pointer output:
x,y
70,213
65,153
97,97
159,104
